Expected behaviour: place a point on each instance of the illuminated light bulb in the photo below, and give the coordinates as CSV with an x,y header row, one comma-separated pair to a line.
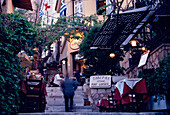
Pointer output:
x,y
143,49
133,43
112,55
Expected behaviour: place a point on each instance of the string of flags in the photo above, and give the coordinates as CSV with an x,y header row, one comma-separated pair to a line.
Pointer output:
x,y
46,7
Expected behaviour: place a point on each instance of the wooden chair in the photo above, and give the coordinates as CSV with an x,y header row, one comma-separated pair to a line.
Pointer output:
x,y
114,105
136,103
33,100
140,99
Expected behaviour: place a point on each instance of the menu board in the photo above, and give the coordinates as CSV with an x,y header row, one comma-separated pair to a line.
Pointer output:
x,y
100,81
143,59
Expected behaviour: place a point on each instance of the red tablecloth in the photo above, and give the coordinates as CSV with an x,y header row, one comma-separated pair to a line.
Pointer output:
x,y
103,103
43,88
139,87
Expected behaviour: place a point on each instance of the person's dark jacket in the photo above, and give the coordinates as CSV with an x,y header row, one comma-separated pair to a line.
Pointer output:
x,y
68,87
77,75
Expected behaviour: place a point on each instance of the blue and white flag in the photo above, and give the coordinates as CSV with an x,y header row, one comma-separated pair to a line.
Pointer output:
x,y
41,14
63,8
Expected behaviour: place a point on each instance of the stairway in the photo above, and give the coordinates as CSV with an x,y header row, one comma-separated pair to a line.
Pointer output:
x,y
55,101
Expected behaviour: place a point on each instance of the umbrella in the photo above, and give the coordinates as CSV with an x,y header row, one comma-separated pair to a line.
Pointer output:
x,y
24,59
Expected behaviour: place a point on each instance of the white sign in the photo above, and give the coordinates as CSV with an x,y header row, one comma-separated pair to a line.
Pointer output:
x,y
143,59
100,81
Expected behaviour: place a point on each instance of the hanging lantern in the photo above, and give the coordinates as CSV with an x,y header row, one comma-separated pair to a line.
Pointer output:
x,y
112,55
133,43
143,48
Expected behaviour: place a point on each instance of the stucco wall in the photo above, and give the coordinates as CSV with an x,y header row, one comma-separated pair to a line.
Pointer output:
x,y
8,7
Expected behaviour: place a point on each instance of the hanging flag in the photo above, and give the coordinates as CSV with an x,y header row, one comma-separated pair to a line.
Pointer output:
x,y
46,6
41,14
63,8
42,11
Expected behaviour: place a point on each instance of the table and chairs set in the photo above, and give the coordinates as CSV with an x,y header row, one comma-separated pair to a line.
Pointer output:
x,y
33,95
130,95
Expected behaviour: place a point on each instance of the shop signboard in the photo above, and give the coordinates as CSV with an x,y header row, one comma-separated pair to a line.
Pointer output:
x,y
100,81
143,59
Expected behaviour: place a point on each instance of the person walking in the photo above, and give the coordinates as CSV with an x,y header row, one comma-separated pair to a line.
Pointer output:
x,y
77,75
68,87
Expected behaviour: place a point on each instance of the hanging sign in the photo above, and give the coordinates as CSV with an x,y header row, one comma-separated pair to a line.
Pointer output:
x,y
75,44
143,59
100,81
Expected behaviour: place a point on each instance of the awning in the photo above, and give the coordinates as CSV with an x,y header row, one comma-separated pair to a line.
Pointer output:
x,y
24,59
24,4
120,27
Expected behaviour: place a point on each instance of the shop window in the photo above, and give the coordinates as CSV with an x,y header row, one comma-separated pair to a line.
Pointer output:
x,y
101,3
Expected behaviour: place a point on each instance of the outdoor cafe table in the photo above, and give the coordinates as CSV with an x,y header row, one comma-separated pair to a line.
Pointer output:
x,y
43,90
127,86
102,104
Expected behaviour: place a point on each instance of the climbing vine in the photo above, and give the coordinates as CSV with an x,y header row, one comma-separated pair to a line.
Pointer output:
x,y
16,34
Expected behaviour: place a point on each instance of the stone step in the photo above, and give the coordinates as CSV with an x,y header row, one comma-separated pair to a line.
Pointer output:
x,y
61,103
55,101
56,91
96,113
82,109
62,109
53,89
78,93
48,89
55,109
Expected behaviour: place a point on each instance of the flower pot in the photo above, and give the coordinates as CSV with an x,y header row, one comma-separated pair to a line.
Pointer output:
x,y
86,103
158,103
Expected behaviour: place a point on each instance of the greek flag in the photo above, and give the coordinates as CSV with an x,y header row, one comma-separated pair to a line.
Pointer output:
x,y
41,14
63,8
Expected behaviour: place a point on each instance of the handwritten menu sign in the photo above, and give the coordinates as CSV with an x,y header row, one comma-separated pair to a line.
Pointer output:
x,y
100,81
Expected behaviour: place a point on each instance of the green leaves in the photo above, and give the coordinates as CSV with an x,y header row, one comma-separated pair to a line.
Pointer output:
x,y
98,61
157,79
16,34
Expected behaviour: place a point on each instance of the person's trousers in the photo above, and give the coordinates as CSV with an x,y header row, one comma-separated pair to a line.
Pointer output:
x,y
67,99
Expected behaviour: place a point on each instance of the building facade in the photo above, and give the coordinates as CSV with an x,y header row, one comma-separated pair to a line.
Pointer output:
x,y
146,24
87,8
69,57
